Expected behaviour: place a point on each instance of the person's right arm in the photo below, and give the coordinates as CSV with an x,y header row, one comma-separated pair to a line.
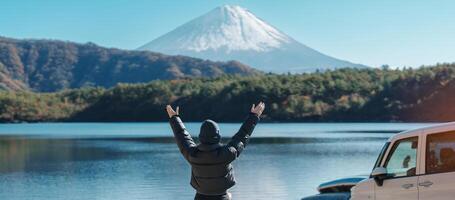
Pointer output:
x,y
241,138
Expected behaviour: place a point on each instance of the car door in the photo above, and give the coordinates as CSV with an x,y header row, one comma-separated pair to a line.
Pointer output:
x,y
438,182
401,164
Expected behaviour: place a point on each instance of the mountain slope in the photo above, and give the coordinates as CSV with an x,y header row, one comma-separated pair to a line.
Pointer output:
x,y
49,65
234,33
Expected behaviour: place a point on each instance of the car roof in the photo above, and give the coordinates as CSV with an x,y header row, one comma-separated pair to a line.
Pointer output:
x,y
442,127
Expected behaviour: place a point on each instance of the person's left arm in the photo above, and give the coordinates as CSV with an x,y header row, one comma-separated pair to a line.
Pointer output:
x,y
181,135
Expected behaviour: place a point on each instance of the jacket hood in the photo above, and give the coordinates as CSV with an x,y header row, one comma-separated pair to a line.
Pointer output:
x,y
210,133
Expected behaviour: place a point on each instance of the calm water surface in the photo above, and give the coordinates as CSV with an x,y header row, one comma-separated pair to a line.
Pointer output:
x,y
140,160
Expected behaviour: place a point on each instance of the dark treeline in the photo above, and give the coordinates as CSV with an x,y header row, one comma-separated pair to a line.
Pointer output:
x,y
424,94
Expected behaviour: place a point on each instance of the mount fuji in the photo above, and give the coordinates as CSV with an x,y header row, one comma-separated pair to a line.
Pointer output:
x,y
234,33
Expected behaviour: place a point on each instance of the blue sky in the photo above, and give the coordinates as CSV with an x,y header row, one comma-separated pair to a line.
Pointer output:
x,y
395,32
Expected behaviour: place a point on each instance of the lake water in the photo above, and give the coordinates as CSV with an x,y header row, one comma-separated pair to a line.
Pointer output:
x,y
141,161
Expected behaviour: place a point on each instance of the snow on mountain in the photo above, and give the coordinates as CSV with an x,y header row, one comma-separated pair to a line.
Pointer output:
x,y
234,33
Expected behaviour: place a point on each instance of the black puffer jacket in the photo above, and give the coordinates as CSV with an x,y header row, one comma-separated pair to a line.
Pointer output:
x,y
211,169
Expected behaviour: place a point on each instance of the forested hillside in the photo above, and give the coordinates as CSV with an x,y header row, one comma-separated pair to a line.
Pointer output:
x,y
425,94
50,65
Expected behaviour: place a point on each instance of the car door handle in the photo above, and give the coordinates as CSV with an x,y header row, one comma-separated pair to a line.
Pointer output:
x,y
407,186
426,184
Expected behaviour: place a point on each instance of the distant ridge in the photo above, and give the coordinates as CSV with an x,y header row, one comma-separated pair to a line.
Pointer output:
x,y
52,65
234,33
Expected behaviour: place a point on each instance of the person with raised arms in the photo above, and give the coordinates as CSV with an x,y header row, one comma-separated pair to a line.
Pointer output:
x,y
210,160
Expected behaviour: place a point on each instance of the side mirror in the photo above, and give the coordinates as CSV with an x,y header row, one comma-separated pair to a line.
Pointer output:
x,y
379,174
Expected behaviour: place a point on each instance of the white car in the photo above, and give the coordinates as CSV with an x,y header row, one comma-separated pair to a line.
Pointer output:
x,y
417,165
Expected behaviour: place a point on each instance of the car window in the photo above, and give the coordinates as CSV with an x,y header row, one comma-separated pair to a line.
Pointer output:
x,y
381,155
440,155
403,158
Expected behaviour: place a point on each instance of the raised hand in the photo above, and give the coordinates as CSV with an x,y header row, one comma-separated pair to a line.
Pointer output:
x,y
258,109
171,111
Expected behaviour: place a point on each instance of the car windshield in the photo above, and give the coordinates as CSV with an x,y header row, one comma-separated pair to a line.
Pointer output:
x,y
381,155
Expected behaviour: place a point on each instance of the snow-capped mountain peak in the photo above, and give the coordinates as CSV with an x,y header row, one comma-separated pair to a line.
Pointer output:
x,y
227,28
233,33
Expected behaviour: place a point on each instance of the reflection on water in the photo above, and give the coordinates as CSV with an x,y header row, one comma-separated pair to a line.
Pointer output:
x,y
28,155
137,167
